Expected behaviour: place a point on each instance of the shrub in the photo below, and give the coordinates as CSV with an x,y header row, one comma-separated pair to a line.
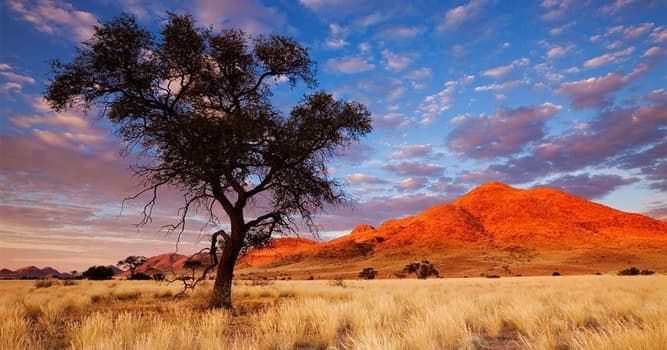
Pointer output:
x,y
423,269
69,283
158,276
633,271
140,276
44,283
556,273
368,273
492,276
311,277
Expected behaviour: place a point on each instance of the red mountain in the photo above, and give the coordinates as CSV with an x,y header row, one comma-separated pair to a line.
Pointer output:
x,y
535,231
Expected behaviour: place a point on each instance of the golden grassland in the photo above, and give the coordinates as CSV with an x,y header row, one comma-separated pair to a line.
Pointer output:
x,y
573,312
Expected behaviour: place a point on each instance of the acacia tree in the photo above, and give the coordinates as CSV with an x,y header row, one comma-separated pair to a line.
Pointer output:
x,y
195,104
132,262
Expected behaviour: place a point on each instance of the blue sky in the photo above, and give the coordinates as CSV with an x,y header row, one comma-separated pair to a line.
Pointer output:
x,y
566,94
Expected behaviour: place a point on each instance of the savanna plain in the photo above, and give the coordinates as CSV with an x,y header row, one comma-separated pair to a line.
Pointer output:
x,y
565,312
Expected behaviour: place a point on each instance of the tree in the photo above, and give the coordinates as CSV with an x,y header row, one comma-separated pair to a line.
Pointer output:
x,y
193,265
132,262
423,270
98,273
194,105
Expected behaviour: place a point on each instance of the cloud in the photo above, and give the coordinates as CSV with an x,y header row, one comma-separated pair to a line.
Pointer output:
x,y
559,51
658,213
414,169
419,73
502,86
17,78
612,57
395,93
612,134
56,17
596,91
413,151
658,35
615,6
556,9
376,210
391,121
501,71
394,61
449,186
555,31
335,43
504,133
412,183
357,153
400,32
457,16
359,179
349,65
250,16
435,104
587,186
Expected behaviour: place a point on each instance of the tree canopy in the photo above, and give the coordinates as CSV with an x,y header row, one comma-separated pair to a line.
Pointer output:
x,y
196,105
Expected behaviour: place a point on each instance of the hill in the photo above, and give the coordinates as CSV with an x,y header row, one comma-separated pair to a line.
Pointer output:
x,y
32,272
493,229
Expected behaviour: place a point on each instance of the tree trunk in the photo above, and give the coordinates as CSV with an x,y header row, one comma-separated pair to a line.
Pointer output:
x,y
222,290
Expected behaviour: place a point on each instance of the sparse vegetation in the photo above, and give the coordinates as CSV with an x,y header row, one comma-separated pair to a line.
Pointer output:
x,y
44,283
572,312
423,269
368,273
633,271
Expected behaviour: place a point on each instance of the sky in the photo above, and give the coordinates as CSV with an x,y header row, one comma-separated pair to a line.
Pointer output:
x,y
566,94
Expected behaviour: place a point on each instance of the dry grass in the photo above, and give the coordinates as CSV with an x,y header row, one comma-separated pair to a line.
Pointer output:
x,y
579,312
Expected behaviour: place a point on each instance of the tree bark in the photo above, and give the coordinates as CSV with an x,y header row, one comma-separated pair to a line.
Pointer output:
x,y
222,289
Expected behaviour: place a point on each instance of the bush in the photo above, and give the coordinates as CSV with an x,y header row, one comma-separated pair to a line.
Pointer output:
x,y
69,283
140,276
311,277
158,276
98,273
646,272
556,273
423,270
368,273
492,276
44,283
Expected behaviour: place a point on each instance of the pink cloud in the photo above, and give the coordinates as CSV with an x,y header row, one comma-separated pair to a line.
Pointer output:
x,y
56,17
587,186
414,169
411,183
349,65
359,179
596,91
504,133
413,151
250,16
458,15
